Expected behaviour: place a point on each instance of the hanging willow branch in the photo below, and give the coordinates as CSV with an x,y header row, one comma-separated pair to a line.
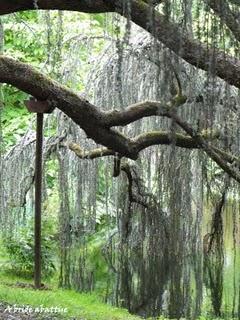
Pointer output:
x,y
222,9
222,158
210,151
97,124
167,32
214,239
133,198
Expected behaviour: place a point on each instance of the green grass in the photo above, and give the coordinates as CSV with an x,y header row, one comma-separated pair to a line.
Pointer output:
x,y
79,305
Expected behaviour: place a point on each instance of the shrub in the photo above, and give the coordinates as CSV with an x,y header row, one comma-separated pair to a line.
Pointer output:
x,y
21,251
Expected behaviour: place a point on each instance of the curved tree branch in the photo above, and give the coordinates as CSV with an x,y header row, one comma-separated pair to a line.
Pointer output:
x,y
91,119
96,123
192,51
144,141
82,112
135,112
92,6
141,110
154,138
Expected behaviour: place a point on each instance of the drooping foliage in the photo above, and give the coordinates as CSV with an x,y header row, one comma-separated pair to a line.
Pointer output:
x,y
157,235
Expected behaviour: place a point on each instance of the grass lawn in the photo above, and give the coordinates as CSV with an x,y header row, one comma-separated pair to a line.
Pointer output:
x,y
79,305
82,306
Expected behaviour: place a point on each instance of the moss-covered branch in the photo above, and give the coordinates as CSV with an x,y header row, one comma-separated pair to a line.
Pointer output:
x,y
144,141
87,116
191,50
141,110
92,154
97,124
96,6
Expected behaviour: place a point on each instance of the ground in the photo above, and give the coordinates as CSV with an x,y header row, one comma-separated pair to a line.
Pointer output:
x,y
80,306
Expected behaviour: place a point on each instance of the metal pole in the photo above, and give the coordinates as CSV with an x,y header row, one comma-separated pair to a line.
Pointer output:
x,y
38,200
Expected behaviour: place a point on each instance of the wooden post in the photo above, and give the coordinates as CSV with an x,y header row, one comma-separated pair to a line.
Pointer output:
x,y
38,201
39,107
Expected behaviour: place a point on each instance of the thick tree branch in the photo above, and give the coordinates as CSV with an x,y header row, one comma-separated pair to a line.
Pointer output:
x,y
96,123
168,33
222,9
88,6
91,6
134,112
91,119
153,138
141,110
86,115
144,141
192,51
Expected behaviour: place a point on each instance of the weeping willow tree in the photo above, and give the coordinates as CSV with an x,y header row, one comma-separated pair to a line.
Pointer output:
x,y
160,109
